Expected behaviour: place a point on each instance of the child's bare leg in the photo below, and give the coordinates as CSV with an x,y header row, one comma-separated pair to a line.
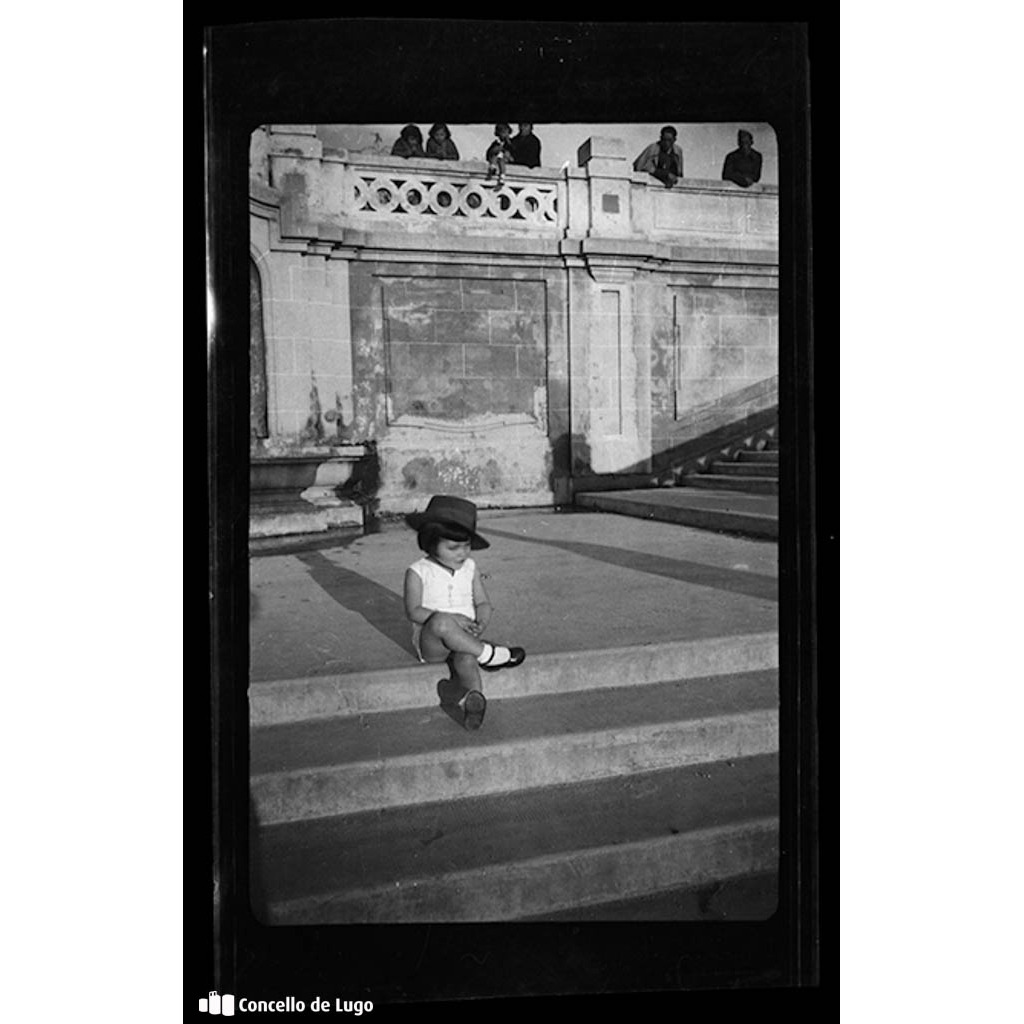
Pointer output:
x,y
465,670
442,635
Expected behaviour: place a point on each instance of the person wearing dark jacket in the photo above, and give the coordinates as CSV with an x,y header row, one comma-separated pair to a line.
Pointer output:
x,y
409,143
525,147
743,165
440,145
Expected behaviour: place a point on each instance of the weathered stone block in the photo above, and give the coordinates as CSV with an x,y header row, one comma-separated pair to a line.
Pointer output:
x,y
514,328
487,361
720,301
530,296
488,294
693,393
762,362
530,362
325,321
717,361
411,363
310,282
761,301
405,327
701,330
435,293
330,356
744,331
469,328
286,319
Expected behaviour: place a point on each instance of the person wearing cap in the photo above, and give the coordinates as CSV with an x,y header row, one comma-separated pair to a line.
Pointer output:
x,y
662,159
448,606
743,165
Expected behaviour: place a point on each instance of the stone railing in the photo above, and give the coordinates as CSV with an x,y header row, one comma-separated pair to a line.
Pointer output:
x,y
601,198
443,190
421,195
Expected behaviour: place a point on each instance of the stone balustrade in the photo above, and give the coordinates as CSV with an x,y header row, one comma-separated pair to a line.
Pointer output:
x,y
603,197
436,190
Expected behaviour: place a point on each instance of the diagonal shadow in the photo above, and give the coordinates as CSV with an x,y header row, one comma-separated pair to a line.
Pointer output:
x,y
736,581
382,609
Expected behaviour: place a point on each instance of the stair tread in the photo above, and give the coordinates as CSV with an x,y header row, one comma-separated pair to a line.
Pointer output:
x,y
377,848
721,476
326,743
727,501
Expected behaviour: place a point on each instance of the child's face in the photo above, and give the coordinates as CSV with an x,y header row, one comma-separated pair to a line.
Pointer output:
x,y
504,133
452,553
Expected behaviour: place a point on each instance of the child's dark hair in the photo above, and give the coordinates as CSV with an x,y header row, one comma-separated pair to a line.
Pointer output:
x,y
500,125
430,533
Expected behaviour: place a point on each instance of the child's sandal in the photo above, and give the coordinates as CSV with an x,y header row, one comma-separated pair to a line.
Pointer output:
x,y
474,709
518,656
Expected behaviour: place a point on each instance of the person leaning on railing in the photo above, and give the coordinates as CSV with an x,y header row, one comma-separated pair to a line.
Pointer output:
x,y
409,143
662,159
743,165
440,145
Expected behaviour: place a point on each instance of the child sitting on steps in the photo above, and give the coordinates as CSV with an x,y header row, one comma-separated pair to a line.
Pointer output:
x,y
448,606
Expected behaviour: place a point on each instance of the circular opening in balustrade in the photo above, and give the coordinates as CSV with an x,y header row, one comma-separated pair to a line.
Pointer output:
x,y
531,204
383,196
473,201
442,197
413,197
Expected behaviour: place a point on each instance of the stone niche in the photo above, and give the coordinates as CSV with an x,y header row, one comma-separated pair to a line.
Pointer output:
x,y
462,348
452,381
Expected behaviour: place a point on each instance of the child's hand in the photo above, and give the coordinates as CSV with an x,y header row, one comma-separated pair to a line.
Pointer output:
x,y
467,624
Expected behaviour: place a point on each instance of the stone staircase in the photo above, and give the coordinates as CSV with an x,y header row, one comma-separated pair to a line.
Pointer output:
x,y
603,784
734,490
751,471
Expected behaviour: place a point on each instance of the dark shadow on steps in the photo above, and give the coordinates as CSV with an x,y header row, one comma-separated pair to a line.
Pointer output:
x,y
382,609
735,581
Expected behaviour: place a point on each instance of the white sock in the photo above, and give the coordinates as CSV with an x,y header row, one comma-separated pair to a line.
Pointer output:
x,y
493,654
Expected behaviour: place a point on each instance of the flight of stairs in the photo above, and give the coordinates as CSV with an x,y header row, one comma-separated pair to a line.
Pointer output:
x,y
603,784
753,471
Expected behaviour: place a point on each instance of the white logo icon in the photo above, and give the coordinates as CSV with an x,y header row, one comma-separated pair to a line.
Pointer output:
x,y
224,1005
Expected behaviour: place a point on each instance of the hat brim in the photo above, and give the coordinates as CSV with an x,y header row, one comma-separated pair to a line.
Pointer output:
x,y
419,519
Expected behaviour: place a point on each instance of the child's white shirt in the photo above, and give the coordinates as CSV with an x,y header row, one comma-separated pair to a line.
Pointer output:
x,y
444,591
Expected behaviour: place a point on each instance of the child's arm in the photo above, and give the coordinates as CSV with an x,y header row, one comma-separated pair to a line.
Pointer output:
x,y
414,610
482,603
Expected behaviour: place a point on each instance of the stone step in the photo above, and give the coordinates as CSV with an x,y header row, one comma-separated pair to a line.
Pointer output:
x,y
720,482
762,456
758,469
529,853
731,512
737,898
326,767
293,700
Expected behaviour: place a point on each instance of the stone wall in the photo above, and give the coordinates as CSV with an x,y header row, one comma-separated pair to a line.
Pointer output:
x,y
501,343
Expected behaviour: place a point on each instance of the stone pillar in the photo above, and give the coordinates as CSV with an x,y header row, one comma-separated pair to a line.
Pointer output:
x,y
610,363
295,156
608,180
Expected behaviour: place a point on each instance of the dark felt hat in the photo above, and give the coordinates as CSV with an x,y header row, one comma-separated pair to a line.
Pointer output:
x,y
451,511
